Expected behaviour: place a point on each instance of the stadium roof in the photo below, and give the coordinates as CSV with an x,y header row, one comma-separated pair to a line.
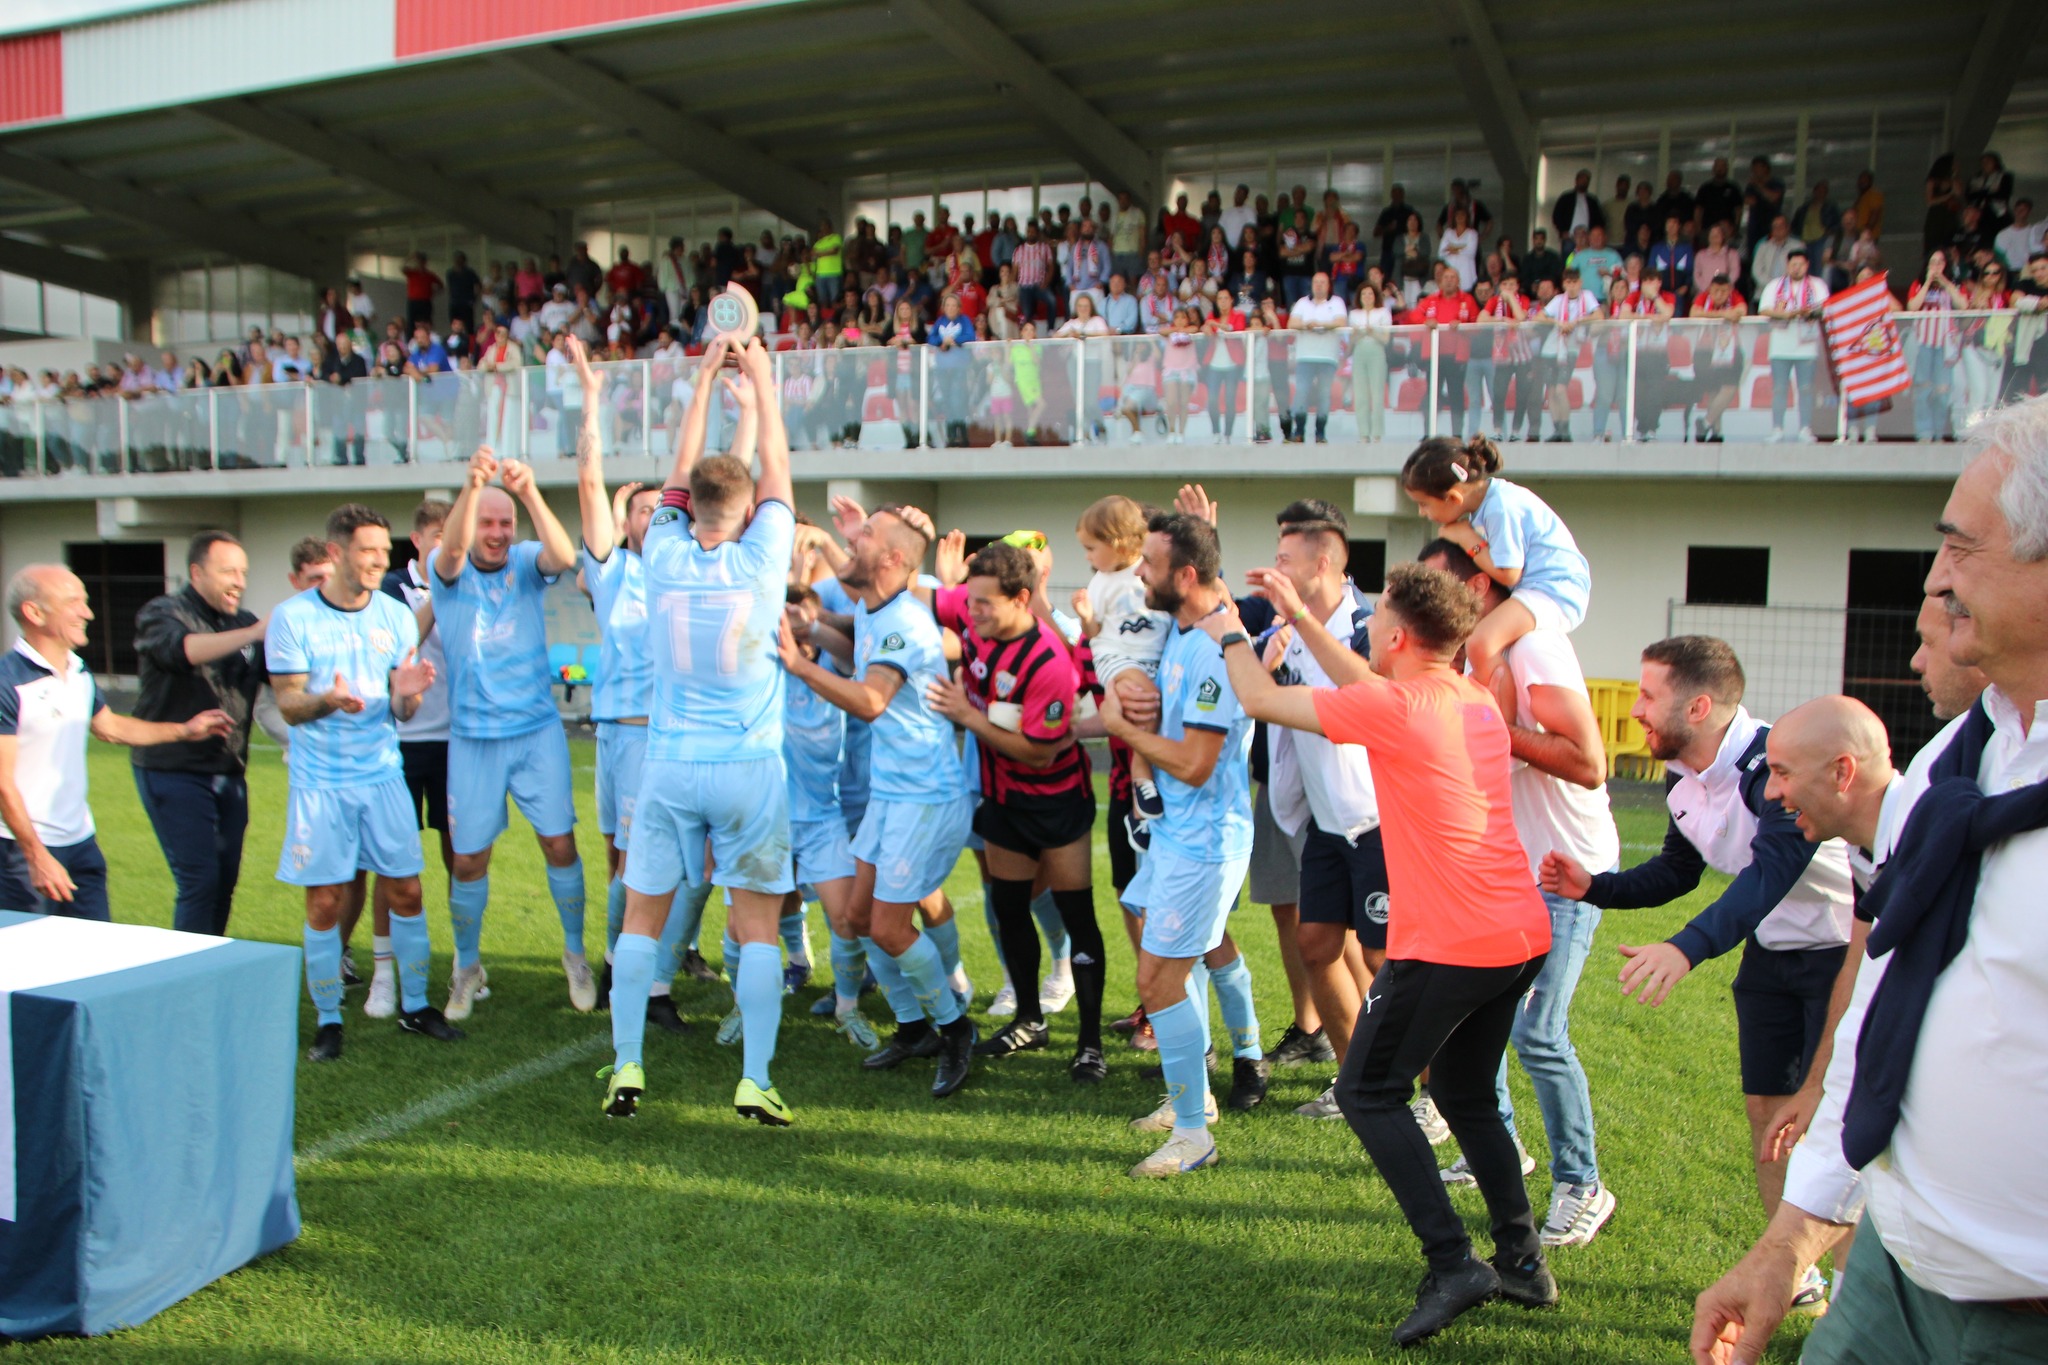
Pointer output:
x,y
254,130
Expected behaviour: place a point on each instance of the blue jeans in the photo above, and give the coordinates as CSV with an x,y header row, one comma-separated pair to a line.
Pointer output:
x,y
199,819
1931,371
88,869
1543,1040
1782,373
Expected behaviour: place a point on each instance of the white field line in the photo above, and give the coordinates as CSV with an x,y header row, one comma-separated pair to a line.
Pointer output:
x,y
447,1102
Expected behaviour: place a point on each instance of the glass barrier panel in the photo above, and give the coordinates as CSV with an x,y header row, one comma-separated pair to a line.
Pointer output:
x,y
82,436
487,412
260,426
167,433
832,395
18,438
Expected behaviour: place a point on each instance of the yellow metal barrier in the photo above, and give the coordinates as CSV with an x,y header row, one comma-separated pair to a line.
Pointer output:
x,y
1628,754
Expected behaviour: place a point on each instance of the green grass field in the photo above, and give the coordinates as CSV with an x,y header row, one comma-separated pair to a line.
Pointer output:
x,y
455,1212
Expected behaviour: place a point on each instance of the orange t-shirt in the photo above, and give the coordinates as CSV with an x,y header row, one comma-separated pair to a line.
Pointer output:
x,y
1458,882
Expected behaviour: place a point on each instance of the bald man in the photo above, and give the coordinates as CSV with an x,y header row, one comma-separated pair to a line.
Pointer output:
x,y
505,736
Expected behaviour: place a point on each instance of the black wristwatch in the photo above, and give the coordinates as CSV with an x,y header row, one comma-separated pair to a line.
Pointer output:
x,y
1233,637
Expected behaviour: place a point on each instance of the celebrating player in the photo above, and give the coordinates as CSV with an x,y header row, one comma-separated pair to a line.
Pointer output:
x,y
506,737
348,805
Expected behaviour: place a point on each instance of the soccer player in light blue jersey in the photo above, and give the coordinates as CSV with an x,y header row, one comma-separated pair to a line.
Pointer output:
x,y
717,560
1202,845
505,736
918,813
614,527
348,803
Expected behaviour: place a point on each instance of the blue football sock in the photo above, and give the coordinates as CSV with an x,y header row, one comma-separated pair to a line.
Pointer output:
x,y
926,972
409,946
1047,913
614,914
1181,1044
466,902
729,958
632,974
849,965
794,941
688,912
946,941
1198,992
565,884
757,985
668,956
895,986
1234,992
988,915
323,972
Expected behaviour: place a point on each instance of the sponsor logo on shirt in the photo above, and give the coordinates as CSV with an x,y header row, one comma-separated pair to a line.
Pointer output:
x,y
1055,713
1006,683
666,515
1208,694
891,643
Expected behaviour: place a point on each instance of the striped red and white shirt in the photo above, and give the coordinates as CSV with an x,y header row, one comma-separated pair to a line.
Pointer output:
x,y
1033,261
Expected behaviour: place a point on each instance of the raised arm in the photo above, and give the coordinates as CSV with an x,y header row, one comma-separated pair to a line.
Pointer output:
x,y
773,485
600,527
690,431
1338,659
460,532
1261,697
557,551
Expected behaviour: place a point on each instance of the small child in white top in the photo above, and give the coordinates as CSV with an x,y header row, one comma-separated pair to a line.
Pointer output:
x,y
1125,636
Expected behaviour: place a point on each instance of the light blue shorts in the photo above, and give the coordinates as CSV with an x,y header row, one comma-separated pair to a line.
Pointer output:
x,y
913,846
1186,904
330,833
821,850
741,807
532,769
621,749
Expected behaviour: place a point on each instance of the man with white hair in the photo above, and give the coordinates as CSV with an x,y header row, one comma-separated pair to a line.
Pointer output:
x,y
1938,1059
50,862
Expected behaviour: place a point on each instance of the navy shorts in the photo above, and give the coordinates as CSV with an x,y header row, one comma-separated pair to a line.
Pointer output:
x,y
1781,1007
1345,883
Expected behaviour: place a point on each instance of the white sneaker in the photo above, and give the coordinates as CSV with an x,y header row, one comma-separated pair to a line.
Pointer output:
x,y
730,1028
1811,1298
1806,436
1433,1126
1323,1106
1576,1213
465,988
582,982
1180,1156
382,1001
1459,1172
1056,990
1160,1120
1004,1006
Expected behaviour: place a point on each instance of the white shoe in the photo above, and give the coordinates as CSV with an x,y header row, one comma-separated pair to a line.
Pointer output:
x,y
1777,436
1056,990
1806,436
1323,1106
730,1028
1459,1172
1576,1213
465,988
1432,1123
582,982
1160,1120
1811,1298
1004,1006
382,1002
1180,1156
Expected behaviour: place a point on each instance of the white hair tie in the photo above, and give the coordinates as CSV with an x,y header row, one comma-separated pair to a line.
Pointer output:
x,y
1459,470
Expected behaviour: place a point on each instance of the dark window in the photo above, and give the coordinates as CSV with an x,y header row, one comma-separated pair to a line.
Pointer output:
x,y
1878,640
1368,567
1727,575
120,576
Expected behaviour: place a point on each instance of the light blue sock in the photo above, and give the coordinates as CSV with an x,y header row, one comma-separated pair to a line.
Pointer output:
x,y
409,946
565,884
1182,1042
895,985
632,975
849,965
688,912
757,985
323,972
794,941
466,902
926,972
946,940
1198,992
729,958
1234,992
668,956
614,914
1057,946
988,915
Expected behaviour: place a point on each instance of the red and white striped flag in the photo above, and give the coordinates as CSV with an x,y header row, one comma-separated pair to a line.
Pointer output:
x,y
1864,345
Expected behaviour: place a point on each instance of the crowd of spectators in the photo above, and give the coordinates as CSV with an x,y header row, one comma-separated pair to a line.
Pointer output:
x,y
1189,276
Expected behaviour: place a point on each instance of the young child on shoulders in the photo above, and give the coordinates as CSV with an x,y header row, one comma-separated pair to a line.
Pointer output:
x,y
1125,636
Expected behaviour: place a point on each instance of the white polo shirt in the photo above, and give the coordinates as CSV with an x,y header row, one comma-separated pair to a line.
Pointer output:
x,y
48,711
1310,777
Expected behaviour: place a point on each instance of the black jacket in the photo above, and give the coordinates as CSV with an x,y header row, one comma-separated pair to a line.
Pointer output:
x,y
175,690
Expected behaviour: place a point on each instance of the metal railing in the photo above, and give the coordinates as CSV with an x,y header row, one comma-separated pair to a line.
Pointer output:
x,y
1604,380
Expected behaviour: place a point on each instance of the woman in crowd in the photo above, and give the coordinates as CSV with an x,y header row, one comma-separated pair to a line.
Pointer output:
x,y
1225,365
1372,325
1088,327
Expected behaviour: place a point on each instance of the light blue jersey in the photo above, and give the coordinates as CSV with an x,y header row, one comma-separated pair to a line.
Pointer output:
x,y
913,757
494,633
1522,532
853,773
618,589
310,635
714,618
1211,823
813,749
